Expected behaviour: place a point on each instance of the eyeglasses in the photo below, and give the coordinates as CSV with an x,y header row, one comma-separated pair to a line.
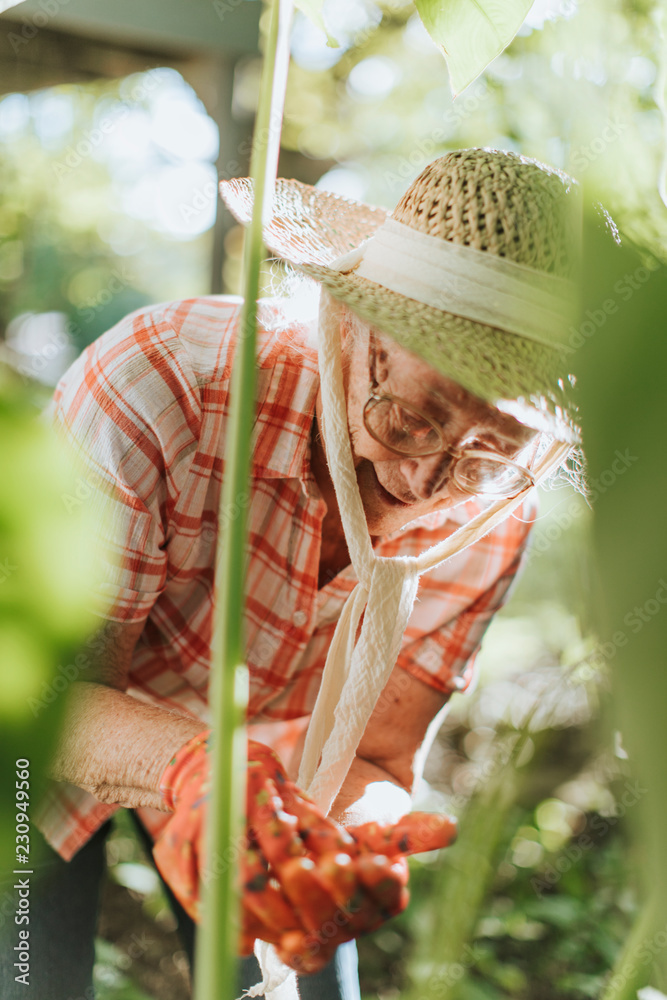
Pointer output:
x,y
407,430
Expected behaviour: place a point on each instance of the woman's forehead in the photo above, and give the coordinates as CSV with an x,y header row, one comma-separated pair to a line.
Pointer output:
x,y
418,376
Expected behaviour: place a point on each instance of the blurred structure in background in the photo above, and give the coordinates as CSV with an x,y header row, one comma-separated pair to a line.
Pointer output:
x,y
110,126
116,122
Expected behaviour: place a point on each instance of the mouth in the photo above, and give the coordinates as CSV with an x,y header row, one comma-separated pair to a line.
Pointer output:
x,y
385,495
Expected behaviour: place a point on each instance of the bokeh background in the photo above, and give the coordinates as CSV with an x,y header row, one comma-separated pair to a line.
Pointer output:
x,y
115,127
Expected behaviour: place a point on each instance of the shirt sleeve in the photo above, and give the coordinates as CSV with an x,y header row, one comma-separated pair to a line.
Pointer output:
x,y
131,409
478,583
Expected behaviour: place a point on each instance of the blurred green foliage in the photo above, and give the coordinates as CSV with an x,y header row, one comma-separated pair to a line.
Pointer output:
x,y
47,567
581,92
622,375
77,234
470,35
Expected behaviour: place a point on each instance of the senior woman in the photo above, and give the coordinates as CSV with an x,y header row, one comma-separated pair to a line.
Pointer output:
x,y
385,468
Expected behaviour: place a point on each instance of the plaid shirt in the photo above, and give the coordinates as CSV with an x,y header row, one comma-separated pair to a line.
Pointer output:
x,y
147,406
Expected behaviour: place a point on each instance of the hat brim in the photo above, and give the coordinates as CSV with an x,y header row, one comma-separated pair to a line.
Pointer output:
x,y
311,228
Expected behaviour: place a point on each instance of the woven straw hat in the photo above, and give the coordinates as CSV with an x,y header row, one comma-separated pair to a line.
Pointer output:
x,y
497,202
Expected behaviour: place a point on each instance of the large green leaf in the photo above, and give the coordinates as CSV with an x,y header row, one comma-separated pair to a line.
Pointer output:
x,y
48,565
471,33
622,389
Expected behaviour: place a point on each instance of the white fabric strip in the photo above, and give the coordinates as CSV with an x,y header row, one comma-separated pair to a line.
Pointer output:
x,y
355,673
471,283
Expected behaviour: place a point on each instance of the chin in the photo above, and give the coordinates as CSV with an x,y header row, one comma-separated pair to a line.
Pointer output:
x,y
385,512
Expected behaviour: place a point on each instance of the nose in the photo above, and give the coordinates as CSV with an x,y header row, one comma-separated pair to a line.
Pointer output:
x,y
427,475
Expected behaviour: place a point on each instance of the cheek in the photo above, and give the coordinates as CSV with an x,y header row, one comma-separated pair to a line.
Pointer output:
x,y
387,467
363,444
384,460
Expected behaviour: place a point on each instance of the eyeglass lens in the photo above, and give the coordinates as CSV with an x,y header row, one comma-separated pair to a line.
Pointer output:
x,y
409,433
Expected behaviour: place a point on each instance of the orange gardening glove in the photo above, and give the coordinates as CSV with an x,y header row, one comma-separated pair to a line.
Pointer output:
x,y
307,884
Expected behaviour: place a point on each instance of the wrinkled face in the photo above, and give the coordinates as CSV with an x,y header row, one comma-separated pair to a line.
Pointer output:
x,y
396,489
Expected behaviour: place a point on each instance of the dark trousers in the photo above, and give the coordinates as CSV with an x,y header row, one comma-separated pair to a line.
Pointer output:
x,y
64,904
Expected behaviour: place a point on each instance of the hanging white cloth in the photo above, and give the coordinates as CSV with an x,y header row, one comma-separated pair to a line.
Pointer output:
x,y
356,672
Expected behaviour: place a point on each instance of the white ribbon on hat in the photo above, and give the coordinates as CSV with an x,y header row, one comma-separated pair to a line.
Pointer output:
x,y
467,282
356,672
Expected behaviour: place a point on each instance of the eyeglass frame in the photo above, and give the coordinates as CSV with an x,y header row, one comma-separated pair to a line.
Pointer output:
x,y
455,453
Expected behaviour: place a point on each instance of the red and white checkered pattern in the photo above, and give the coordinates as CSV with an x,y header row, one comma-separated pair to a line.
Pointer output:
x,y
147,406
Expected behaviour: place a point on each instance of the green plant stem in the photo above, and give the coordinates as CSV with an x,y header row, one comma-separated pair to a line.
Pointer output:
x,y
632,969
462,883
217,940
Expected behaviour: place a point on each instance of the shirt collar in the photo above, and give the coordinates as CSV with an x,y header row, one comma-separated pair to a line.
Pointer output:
x,y
287,386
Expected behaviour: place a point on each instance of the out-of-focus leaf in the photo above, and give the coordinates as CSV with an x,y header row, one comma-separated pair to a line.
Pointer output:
x,y
474,990
27,665
578,983
462,882
471,33
48,561
561,911
622,377
111,981
47,568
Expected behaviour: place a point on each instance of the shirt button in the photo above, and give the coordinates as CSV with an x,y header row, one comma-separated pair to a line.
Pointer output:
x,y
299,618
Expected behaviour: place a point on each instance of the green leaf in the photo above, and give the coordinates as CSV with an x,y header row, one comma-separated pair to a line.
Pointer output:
x,y
561,911
471,33
313,10
47,568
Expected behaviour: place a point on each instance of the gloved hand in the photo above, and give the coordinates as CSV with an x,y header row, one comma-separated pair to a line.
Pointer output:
x,y
307,883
